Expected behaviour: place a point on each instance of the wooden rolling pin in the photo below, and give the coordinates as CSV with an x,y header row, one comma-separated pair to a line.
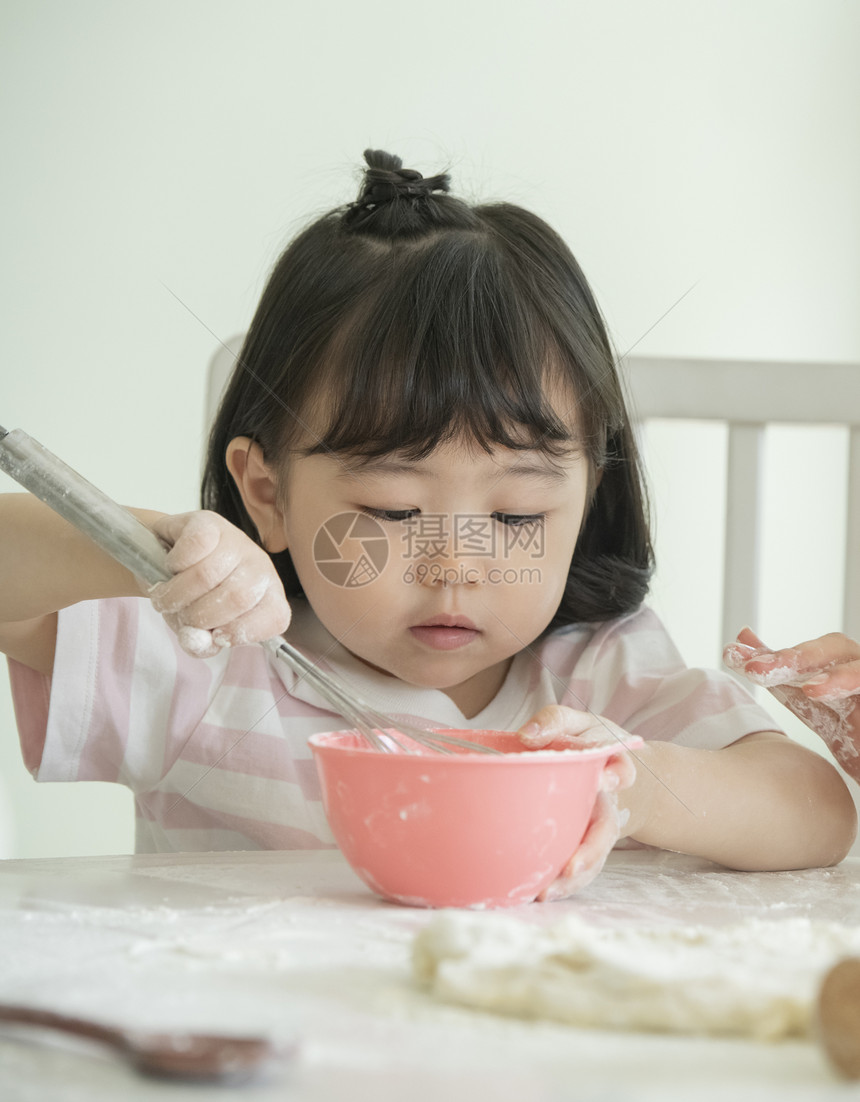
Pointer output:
x,y
838,1015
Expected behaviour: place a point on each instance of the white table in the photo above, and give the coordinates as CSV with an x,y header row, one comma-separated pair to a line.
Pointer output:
x,y
294,945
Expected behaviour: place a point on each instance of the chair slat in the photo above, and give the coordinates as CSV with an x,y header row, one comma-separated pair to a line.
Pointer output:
x,y
743,528
851,613
757,392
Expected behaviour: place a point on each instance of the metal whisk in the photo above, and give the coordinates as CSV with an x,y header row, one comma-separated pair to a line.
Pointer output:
x,y
131,543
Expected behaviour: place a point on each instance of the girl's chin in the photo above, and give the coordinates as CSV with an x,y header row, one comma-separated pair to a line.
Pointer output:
x,y
418,675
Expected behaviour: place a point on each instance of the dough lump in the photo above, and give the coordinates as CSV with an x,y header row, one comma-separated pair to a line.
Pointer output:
x,y
756,978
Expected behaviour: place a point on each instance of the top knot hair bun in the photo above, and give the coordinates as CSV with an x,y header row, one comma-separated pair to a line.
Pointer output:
x,y
386,179
394,201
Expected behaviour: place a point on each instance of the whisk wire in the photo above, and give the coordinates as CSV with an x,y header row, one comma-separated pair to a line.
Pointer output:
x,y
380,731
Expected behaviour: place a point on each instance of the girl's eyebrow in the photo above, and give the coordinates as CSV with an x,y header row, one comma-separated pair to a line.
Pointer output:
x,y
548,473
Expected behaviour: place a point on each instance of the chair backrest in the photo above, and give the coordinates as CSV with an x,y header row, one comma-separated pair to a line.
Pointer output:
x,y
747,396
221,366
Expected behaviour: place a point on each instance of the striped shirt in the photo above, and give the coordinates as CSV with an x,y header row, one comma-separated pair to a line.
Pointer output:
x,y
216,750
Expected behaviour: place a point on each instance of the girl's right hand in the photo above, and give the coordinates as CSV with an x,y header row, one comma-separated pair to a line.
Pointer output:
x,y
819,681
225,590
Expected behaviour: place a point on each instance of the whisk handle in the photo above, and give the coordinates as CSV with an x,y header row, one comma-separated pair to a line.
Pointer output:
x,y
91,511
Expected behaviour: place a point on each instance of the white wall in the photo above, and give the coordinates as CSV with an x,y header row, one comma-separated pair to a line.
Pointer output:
x,y
171,147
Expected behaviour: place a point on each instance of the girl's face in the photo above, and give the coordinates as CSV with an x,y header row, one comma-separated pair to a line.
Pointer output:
x,y
460,559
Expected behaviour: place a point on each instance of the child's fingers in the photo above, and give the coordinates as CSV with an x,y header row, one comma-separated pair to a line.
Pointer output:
x,y
262,622
205,553
195,641
194,584
552,723
747,637
190,537
750,656
618,773
247,608
215,606
603,832
225,590
268,615
799,662
562,727
746,647
792,665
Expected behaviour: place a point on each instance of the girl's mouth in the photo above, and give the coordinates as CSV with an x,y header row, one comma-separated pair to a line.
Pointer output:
x,y
445,632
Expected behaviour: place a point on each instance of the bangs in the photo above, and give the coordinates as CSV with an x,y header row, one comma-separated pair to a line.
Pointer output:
x,y
446,343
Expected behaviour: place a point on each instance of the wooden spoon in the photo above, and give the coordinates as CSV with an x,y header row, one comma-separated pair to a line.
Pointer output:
x,y
839,1016
182,1055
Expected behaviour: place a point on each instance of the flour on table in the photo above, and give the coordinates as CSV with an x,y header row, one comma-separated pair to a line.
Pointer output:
x,y
756,978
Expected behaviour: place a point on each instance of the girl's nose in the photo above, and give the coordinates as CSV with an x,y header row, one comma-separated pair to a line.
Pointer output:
x,y
446,568
447,553
449,569
449,572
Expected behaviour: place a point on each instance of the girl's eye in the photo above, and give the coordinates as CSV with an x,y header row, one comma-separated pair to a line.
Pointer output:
x,y
389,514
513,520
520,520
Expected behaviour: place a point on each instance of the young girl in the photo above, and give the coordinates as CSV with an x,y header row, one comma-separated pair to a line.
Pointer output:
x,y
424,446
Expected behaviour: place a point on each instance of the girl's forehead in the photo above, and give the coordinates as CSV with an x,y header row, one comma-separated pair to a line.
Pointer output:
x,y
456,458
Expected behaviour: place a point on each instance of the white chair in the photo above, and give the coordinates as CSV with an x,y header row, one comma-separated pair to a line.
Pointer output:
x,y
748,396
220,368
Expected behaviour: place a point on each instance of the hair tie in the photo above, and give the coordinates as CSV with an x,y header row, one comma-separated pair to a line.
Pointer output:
x,y
385,180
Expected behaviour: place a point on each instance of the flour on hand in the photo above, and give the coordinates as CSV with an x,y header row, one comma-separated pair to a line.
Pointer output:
x,y
756,978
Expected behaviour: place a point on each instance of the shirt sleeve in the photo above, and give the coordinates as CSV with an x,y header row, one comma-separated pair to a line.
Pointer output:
x,y
639,680
111,707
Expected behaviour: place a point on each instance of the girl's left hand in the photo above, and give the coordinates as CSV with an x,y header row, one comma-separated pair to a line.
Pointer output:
x,y
559,727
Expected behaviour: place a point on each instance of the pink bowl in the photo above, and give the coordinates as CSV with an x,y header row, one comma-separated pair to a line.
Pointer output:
x,y
461,829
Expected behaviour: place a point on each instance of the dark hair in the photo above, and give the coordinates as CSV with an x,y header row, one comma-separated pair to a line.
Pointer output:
x,y
418,318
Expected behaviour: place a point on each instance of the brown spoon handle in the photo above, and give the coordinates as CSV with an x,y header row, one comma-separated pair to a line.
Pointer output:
x,y
185,1055
28,1015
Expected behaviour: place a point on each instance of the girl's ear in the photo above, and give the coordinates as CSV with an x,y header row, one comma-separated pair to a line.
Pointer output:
x,y
258,488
